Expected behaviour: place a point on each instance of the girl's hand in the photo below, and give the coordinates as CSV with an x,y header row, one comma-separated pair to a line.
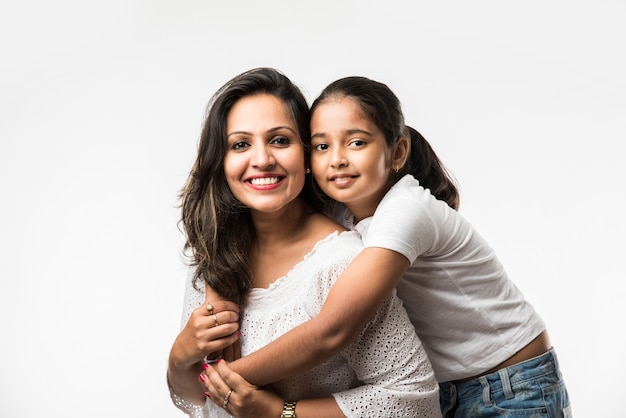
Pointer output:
x,y
232,392
210,328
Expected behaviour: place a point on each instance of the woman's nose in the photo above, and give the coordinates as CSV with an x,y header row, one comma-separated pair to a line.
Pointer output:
x,y
263,158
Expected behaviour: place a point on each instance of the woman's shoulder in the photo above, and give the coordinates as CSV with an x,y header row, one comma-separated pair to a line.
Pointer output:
x,y
321,221
337,244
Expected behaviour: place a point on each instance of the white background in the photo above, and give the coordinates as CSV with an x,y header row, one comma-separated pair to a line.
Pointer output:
x,y
100,110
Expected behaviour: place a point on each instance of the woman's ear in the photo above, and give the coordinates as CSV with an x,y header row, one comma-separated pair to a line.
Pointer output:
x,y
401,153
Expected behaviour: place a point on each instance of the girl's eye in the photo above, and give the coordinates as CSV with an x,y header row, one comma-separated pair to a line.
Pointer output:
x,y
320,147
357,143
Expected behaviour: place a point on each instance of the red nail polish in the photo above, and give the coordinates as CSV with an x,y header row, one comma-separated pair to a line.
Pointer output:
x,y
207,394
239,333
205,366
202,377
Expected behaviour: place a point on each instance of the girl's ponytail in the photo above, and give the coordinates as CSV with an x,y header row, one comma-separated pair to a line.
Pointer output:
x,y
427,168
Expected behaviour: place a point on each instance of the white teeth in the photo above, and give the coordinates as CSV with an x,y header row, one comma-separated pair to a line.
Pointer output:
x,y
264,181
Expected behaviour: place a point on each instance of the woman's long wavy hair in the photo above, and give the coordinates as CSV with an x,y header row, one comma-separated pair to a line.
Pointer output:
x,y
382,107
217,226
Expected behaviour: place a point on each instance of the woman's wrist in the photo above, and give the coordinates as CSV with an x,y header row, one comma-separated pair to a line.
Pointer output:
x,y
289,409
183,365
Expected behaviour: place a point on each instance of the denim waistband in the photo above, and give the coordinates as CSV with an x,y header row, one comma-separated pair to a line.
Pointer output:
x,y
502,379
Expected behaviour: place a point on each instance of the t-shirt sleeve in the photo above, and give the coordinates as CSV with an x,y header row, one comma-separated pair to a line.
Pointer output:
x,y
405,221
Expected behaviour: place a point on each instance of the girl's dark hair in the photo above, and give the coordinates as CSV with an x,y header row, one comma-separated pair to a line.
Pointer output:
x,y
381,106
217,226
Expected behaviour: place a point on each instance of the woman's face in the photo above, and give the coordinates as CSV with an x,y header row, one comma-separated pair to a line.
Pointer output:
x,y
264,163
350,159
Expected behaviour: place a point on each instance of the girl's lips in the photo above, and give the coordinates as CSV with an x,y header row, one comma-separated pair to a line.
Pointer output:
x,y
343,180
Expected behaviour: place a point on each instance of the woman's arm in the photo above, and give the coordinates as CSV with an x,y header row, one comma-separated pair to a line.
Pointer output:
x,y
249,401
200,337
354,298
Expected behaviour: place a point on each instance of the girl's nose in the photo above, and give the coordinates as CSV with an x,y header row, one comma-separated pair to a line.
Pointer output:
x,y
338,160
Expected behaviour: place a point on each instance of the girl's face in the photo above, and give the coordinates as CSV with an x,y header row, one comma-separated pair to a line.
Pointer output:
x,y
349,158
264,163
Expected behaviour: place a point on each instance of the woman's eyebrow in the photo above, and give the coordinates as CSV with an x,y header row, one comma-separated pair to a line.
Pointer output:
x,y
272,130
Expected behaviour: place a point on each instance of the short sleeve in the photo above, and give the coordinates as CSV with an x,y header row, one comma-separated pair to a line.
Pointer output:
x,y
407,220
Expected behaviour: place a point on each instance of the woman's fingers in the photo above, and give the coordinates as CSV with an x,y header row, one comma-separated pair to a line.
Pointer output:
x,y
216,306
231,391
216,387
214,303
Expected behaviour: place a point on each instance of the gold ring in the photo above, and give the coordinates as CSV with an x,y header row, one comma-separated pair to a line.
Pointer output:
x,y
209,307
215,319
226,399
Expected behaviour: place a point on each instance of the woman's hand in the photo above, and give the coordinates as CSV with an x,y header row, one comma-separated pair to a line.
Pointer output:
x,y
210,328
232,392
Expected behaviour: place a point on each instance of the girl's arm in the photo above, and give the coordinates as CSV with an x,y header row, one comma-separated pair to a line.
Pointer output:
x,y
397,377
353,300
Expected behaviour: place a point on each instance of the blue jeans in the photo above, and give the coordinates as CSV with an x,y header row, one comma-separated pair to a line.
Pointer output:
x,y
532,388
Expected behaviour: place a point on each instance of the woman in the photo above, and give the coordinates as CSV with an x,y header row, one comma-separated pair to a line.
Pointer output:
x,y
258,241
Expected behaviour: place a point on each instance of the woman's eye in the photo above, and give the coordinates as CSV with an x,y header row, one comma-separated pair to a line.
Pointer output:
x,y
239,145
280,140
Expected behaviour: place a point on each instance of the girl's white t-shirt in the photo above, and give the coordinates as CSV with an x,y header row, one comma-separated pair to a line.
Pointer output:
x,y
469,316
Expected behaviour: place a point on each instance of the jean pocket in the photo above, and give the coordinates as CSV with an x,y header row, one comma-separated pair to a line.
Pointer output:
x,y
567,411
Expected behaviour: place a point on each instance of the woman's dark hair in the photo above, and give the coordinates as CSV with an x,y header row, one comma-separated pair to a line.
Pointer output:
x,y
217,226
381,106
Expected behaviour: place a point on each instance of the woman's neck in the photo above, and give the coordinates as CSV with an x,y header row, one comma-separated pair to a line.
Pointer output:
x,y
284,239
278,227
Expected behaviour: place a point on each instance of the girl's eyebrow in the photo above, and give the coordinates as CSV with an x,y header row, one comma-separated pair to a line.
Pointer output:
x,y
346,132
275,129
358,131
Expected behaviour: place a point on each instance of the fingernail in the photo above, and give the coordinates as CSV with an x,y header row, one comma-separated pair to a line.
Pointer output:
x,y
220,360
207,394
239,333
202,377
205,366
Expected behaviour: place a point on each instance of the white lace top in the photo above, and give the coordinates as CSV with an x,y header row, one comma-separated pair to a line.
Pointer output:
x,y
384,373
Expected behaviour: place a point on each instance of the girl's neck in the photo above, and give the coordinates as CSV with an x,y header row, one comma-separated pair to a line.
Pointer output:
x,y
366,207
